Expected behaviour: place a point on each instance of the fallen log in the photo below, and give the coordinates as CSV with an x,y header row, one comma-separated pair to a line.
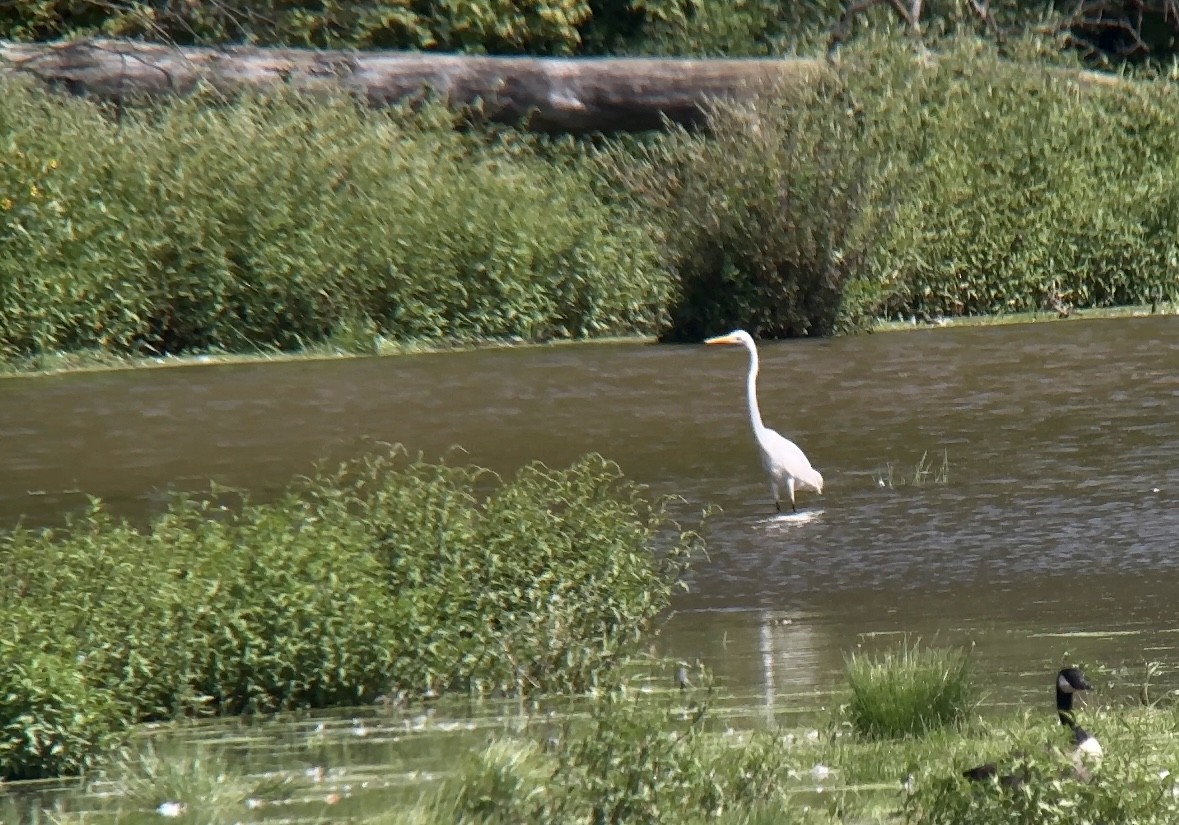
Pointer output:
x,y
542,94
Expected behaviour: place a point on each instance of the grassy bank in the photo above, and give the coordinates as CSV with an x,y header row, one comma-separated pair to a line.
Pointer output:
x,y
650,767
382,577
662,756
92,361
98,361
975,186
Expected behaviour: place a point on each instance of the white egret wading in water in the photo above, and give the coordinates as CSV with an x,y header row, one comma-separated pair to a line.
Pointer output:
x,y
786,464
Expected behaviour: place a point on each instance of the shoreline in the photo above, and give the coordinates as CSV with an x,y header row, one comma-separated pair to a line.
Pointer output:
x,y
59,364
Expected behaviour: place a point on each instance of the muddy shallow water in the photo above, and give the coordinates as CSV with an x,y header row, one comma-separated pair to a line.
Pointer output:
x,y
1055,534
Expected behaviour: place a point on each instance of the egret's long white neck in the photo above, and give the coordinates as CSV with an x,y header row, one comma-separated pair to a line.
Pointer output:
x,y
754,411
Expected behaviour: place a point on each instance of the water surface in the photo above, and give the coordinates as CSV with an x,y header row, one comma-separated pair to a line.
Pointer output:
x,y
1054,536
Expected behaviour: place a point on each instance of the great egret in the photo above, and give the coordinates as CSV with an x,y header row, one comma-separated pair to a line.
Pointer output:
x,y
786,465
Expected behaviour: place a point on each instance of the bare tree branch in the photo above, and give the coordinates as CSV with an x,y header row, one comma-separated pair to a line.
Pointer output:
x,y
915,15
843,29
982,8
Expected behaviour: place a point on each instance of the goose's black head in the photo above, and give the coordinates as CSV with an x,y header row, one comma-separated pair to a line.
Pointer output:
x,y
1068,682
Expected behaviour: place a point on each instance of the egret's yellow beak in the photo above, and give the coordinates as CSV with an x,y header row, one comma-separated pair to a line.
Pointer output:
x,y
721,339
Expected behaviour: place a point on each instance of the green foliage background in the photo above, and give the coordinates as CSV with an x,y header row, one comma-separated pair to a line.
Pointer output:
x,y
898,186
892,186
590,27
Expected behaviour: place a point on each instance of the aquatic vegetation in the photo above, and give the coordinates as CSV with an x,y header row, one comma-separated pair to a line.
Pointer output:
x,y
696,773
908,692
663,758
649,755
54,720
196,781
1134,782
925,472
383,576
632,761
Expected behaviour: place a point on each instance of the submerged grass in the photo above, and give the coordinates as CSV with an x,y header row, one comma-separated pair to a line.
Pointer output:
x,y
664,758
908,692
925,472
195,784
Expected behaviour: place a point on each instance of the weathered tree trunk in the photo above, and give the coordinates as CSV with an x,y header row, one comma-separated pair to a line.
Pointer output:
x,y
543,94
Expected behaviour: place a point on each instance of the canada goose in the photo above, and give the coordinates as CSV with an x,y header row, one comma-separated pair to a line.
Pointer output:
x,y
1068,681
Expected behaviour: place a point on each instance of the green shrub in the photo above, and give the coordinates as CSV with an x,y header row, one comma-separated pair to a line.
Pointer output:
x,y
299,607
768,221
959,184
545,585
477,25
1022,189
708,28
962,184
908,692
382,576
698,27
277,223
56,716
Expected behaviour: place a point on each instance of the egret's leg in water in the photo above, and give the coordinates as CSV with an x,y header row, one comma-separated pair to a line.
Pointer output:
x,y
790,489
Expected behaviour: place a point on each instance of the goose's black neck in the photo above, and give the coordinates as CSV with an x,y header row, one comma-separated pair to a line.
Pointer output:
x,y
1064,708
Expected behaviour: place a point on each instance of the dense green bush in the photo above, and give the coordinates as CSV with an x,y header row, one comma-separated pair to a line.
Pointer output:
x,y
494,26
768,220
708,28
1022,188
894,184
1114,33
55,718
957,185
384,576
474,25
280,223
1110,33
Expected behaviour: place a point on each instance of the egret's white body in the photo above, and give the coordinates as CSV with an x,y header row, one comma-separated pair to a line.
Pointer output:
x,y
786,465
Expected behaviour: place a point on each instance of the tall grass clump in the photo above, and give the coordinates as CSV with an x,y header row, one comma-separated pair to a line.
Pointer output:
x,y
384,576
907,692
196,781
280,223
924,473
